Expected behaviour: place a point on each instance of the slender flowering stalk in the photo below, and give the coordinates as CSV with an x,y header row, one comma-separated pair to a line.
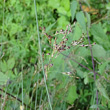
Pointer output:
x,y
92,59
41,56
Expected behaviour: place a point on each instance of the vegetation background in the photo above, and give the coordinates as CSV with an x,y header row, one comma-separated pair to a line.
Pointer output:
x,y
32,80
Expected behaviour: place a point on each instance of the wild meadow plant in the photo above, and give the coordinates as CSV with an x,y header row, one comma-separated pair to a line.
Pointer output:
x,y
54,70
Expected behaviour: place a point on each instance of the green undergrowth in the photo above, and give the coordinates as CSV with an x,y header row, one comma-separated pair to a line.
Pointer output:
x,y
70,86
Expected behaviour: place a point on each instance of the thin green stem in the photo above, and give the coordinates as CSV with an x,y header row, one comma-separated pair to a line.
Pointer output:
x,y
93,64
22,85
41,56
2,47
2,27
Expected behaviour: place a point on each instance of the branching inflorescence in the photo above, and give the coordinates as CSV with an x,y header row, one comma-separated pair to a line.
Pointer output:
x,y
62,45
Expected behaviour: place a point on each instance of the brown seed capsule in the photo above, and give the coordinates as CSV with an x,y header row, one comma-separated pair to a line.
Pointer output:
x,y
56,46
48,53
66,39
63,46
70,31
68,47
44,28
56,32
69,73
61,30
51,65
94,43
49,37
62,42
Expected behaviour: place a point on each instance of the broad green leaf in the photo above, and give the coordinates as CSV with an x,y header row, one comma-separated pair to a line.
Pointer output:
x,y
108,6
81,20
86,79
79,56
10,74
77,32
14,28
104,101
98,51
102,89
73,8
88,21
3,66
102,67
100,36
65,4
80,73
97,30
98,106
54,3
12,2
87,3
50,26
59,66
107,55
62,22
71,95
3,78
62,10
11,63
82,52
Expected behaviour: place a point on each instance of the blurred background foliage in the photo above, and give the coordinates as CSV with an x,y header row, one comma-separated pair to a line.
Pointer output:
x,y
20,65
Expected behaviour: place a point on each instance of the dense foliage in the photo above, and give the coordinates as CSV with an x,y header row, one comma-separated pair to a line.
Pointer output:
x,y
67,60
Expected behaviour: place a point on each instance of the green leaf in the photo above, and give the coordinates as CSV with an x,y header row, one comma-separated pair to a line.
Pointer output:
x,y
57,68
86,79
73,8
54,3
71,95
62,22
81,20
98,51
50,26
13,2
14,28
77,32
66,4
62,10
10,74
80,55
100,36
108,6
3,78
102,89
88,21
102,67
11,63
87,3
80,73
82,52
98,106
3,66
97,30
